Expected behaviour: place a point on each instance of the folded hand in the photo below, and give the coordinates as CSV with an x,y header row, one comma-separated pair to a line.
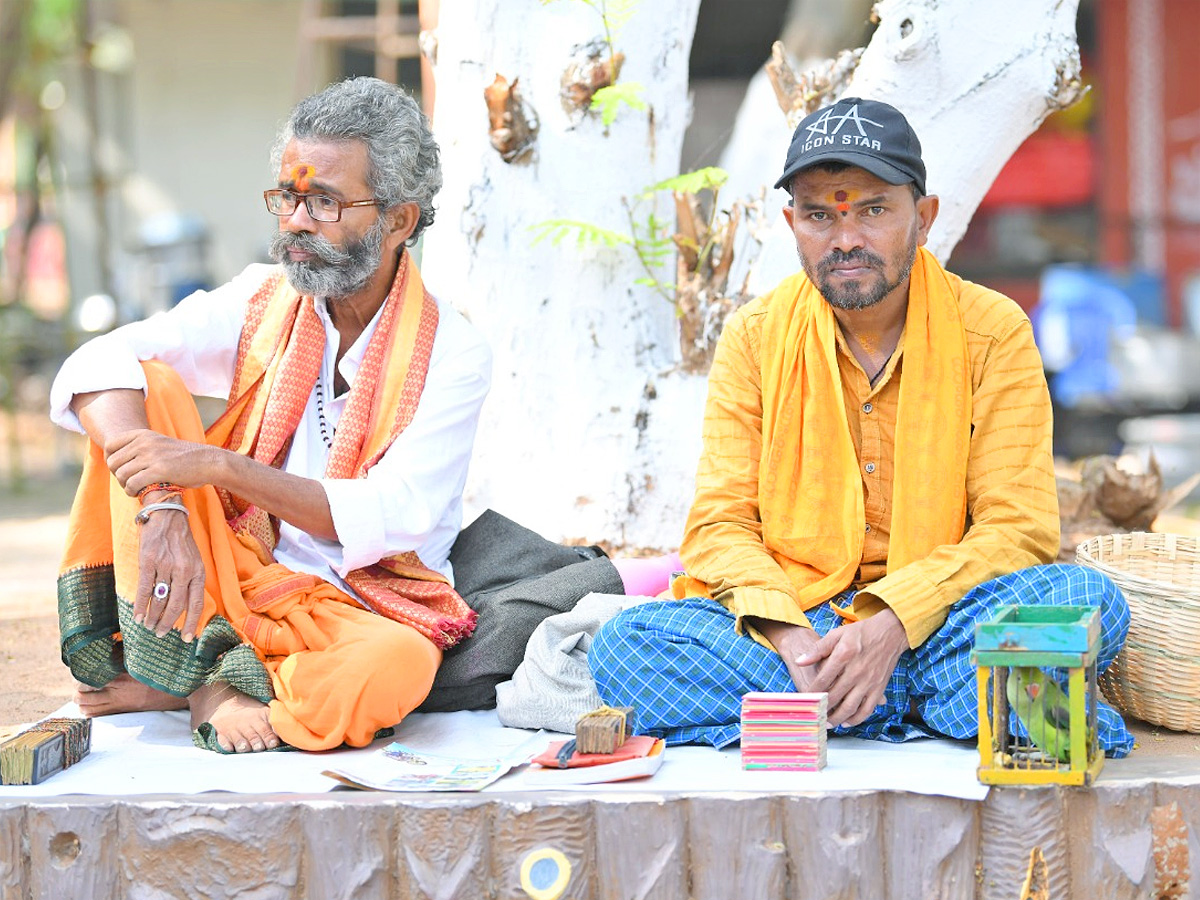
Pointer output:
x,y
854,663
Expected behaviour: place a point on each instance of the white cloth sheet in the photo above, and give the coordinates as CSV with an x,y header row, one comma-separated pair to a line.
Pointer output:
x,y
152,753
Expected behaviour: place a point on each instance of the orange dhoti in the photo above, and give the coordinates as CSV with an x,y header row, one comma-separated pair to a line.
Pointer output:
x,y
331,671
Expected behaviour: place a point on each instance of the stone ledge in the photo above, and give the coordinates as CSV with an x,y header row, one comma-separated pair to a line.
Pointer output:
x,y
1128,837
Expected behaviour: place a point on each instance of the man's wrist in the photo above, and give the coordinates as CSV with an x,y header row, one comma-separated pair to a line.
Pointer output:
x,y
158,492
160,496
143,515
788,639
892,628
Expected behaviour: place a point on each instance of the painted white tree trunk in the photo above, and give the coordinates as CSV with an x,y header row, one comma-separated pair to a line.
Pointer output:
x,y
813,31
974,79
589,433
754,158
579,347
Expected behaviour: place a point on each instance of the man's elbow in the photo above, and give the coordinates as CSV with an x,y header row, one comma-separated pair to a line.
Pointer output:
x,y
1042,542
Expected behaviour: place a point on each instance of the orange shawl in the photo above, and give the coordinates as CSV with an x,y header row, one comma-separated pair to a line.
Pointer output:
x,y
278,362
810,492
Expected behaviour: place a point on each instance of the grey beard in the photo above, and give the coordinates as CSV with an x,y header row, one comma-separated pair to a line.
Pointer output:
x,y
335,273
847,296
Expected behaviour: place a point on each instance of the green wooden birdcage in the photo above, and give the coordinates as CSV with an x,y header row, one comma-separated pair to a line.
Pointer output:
x,y
1053,738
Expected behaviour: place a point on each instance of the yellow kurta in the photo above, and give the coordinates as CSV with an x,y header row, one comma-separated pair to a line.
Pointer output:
x,y
1012,508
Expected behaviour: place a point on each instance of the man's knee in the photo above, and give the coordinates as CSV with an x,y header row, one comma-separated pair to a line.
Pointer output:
x,y
402,652
621,646
629,629
609,646
1114,608
1088,587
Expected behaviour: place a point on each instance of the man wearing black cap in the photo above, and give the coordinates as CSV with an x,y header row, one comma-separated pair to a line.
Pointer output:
x,y
876,477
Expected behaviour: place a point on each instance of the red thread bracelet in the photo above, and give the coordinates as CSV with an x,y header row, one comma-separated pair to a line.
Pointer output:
x,y
158,486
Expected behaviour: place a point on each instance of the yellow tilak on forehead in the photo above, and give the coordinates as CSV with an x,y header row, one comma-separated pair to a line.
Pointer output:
x,y
843,204
302,175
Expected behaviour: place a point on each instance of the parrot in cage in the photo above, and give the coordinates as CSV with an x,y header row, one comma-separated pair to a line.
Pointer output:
x,y
1042,706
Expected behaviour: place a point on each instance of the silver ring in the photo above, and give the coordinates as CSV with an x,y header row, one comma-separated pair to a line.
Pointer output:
x,y
161,590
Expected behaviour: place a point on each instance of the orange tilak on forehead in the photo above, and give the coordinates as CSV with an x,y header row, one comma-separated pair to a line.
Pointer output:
x,y
842,205
302,175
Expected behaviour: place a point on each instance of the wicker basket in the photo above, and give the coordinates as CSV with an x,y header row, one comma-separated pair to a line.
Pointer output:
x,y
1156,676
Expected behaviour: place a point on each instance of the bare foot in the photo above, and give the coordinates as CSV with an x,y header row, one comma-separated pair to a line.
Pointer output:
x,y
121,695
241,722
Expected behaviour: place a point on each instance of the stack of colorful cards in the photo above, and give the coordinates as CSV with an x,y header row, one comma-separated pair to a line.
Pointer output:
x,y
784,731
43,749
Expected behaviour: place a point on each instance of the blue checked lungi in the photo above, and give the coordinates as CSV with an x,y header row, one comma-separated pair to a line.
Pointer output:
x,y
681,665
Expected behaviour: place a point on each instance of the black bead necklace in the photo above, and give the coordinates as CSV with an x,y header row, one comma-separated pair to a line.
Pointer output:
x,y
326,432
871,379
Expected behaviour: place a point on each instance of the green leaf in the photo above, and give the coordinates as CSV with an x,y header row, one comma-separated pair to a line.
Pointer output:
x,y
609,100
656,226
585,233
708,178
617,13
614,13
662,286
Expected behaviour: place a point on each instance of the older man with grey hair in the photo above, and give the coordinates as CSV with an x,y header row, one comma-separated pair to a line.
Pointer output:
x,y
285,574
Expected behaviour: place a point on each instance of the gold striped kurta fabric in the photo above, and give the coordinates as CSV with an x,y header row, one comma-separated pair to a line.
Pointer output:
x,y
1012,507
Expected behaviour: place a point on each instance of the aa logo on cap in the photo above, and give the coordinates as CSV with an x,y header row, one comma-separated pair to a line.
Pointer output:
x,y
821,125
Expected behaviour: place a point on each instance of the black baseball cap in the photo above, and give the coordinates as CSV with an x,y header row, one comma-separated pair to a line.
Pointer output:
x,y
866,133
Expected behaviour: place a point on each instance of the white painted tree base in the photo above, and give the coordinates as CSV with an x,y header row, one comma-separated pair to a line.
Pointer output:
x,y
589,432
561,446
974,80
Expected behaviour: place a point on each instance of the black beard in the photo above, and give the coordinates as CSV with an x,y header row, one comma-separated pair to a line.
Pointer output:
x,y
335,272
855,296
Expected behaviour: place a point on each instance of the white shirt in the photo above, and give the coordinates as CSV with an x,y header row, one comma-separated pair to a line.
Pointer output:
x,y
410,500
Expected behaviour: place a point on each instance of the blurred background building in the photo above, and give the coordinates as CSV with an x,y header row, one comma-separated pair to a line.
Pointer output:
x,y
135,135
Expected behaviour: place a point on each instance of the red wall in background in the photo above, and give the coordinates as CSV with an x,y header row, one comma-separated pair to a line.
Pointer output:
x,y
1182,147
1174,62
1113,65
1049,169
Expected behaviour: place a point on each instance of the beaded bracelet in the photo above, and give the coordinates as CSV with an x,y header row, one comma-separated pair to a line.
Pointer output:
x,y
159,486
143,514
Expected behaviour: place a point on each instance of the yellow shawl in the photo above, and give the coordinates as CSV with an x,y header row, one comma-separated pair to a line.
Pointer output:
x,y
279,359
810,493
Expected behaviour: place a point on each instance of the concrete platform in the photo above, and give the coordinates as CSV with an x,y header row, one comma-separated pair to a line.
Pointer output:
x,y
1134,835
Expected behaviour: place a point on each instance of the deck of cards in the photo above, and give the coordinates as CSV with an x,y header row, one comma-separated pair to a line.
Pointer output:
x,y
784,731
43,749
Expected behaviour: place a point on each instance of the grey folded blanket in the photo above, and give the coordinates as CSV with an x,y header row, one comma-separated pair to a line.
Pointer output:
x,y
513,578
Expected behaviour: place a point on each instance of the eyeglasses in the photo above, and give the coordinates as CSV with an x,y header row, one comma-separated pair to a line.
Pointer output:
x,y
321,207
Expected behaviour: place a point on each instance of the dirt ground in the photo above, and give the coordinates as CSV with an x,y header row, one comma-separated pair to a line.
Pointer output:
x,y
33,525
36,682
32,531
